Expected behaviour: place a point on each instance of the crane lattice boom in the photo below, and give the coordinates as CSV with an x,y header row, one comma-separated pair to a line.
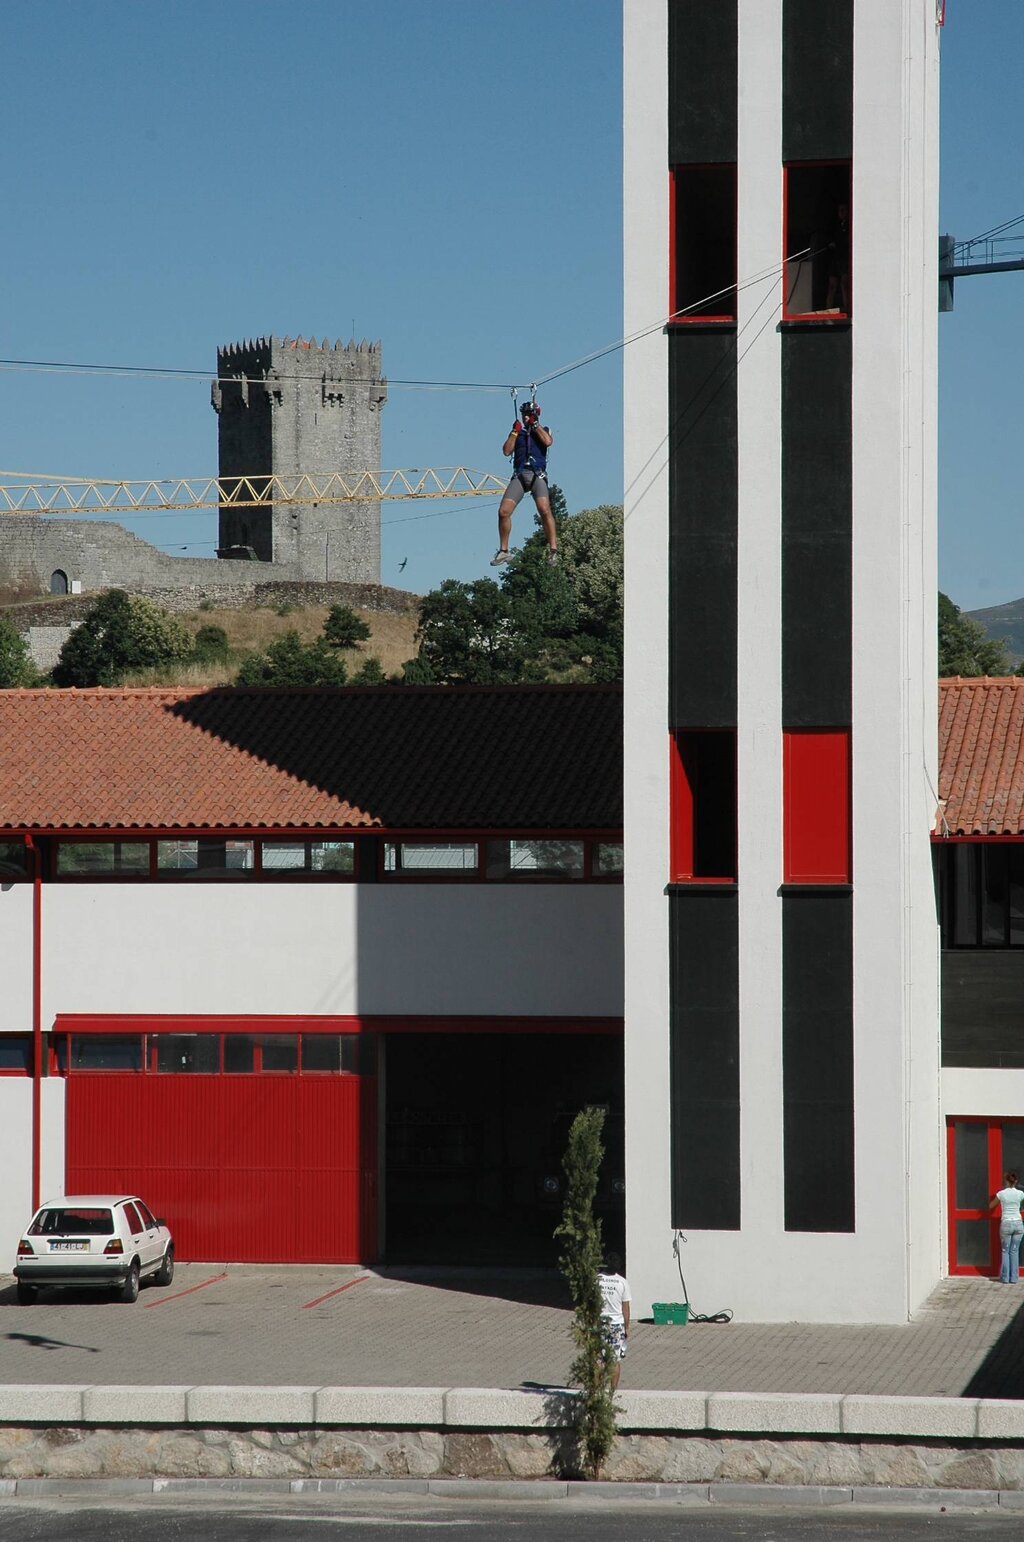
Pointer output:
x,y
243,492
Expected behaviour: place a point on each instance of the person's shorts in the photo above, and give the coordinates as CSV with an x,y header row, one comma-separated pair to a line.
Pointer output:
x,y
615,1335
538,486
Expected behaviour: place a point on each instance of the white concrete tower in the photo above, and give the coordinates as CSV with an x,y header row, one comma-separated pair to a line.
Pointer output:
x,y
782,1036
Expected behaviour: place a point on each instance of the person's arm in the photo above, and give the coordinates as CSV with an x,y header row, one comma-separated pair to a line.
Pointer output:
x,y
510,442
625,1316
995,1203
547,439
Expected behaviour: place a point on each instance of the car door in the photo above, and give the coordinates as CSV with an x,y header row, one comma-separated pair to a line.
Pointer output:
x,y
141,1244
155,1239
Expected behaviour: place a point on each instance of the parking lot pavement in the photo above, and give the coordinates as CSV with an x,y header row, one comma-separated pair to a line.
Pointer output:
x,y
252,1325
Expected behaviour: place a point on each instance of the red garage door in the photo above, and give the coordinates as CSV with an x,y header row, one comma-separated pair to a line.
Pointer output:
x,y
245,1169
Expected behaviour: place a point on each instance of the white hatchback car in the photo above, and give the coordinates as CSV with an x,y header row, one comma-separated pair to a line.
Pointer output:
x,y
101,1241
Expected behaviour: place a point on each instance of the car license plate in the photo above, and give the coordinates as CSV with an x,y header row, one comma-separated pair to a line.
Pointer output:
x,y
69,1247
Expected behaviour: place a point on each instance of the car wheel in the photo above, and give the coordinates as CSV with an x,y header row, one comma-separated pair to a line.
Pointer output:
x,y
165,1274
26,1294
130,1289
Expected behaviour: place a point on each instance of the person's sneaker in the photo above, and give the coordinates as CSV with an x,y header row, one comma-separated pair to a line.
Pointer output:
x,y
554,557
499,557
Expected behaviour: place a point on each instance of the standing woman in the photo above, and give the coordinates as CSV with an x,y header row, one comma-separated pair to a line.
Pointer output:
x,y
1011,1227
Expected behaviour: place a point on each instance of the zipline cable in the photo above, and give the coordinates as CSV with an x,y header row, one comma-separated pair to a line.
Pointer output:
x,y
159,372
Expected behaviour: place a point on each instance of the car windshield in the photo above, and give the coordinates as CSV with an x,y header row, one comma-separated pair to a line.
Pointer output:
x,y
66,1221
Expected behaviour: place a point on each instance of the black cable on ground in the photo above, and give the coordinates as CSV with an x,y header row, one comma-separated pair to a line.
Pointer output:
x,y
724,1314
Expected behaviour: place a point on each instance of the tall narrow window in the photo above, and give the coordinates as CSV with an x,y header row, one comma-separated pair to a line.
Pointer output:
x,y
816,796
818,243
703,799
703,259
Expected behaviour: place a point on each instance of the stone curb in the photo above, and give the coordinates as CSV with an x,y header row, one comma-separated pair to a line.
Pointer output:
x,y
811,1496
491,1408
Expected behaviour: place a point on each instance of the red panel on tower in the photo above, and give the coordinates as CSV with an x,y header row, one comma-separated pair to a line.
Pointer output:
x,y
816,795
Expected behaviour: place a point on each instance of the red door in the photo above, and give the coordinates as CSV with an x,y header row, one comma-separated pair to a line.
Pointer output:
x,y
978,1153
244,1169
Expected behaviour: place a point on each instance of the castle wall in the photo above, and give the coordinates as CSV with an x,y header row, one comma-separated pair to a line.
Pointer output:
x,y
98,554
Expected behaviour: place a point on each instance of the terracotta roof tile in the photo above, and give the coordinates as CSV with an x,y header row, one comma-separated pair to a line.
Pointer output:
x,y
402,758
981,756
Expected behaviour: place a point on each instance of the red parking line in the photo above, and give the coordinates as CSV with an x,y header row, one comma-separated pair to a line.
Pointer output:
x,y
214,1278
307,1304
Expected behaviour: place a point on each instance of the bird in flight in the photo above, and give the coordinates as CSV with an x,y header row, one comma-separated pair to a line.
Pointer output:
x,y
401,565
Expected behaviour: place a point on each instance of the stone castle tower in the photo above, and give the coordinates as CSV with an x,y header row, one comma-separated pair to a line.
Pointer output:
x,y
288,406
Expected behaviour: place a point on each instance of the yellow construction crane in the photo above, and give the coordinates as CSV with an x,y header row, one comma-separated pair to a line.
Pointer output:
x,y
87,496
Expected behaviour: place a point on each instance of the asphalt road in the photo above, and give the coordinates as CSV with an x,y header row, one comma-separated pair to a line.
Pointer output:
x,y
280,1519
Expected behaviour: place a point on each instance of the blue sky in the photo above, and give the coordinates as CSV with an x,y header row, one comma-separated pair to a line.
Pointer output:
x,y
981,389
445,177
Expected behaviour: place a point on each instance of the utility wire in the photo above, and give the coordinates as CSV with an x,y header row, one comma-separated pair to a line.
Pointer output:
x,y
160,372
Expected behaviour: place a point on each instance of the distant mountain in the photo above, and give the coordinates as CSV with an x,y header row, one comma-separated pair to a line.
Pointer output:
x,y
1004,621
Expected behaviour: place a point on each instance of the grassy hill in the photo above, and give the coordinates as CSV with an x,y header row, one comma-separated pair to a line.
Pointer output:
x,y
391,640
1004,621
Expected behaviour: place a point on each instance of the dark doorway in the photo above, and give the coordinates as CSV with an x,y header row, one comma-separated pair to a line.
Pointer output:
x,y
476,1128
59,582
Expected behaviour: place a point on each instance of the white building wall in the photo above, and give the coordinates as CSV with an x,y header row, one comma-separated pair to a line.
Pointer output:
x,y
646,834
489,950
883,1269
16,1156
16,957
895,244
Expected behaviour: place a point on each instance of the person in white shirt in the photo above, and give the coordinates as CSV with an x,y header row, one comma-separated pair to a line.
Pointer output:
x,y
615,1300
1011,1227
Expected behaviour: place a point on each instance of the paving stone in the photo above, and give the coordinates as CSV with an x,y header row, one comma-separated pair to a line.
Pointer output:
x,y
400,1407
489,1488
669,1411
484,1408
932,1498
30,1403
1001,1419
777,1494
626,1493
253,1406
135,1405
359,1486
791,1413
910,1417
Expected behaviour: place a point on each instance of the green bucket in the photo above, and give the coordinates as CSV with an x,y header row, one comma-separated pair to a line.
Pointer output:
x,y
677,1312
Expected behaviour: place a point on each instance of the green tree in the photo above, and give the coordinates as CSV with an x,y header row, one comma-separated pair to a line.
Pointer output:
x,y
290,661
417,671
370,672
580,1262
119,635
468,634
343,628
16,667
211,644
964,647
542,622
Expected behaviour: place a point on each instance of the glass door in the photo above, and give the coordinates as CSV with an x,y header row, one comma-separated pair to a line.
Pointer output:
x,y
979,1152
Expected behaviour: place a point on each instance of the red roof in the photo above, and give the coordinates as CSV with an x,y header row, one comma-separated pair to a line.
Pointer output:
x,y
981,756
524,757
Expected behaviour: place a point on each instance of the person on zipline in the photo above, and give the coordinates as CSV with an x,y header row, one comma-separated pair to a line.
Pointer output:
x,y
528,444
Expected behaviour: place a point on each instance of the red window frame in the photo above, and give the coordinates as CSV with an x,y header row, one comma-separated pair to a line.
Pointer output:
x,y
790,245
726,311
690,762
955,1213
817,813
